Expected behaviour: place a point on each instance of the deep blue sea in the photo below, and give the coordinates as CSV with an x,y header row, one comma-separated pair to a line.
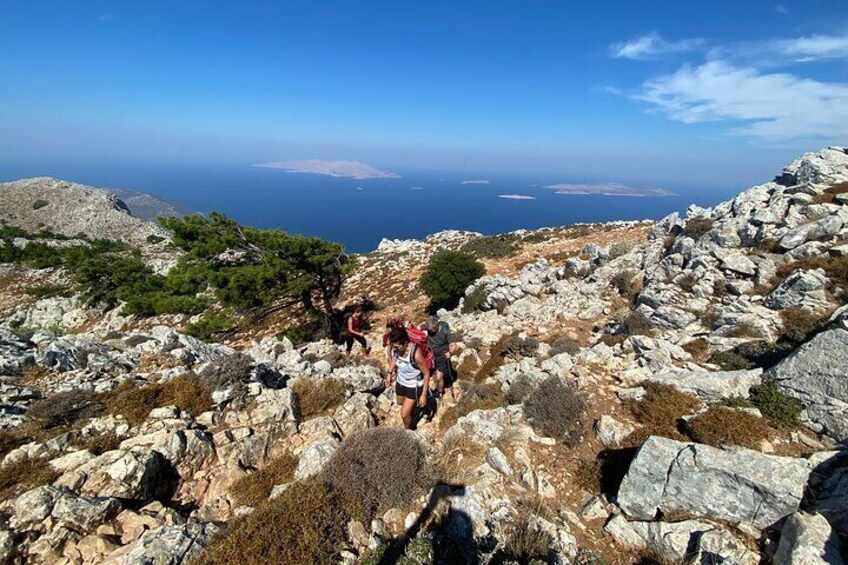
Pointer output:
x,y
359,213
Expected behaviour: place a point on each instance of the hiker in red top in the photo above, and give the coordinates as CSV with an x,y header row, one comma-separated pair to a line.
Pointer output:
x,y
353,332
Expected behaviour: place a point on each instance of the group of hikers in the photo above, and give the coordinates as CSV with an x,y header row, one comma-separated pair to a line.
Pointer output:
x,y
417,356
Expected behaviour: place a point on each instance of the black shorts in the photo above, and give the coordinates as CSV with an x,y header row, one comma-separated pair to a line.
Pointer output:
x,y
413,393
442,365
349,339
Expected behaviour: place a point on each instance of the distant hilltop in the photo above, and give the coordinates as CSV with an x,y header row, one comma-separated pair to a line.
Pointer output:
x,y
69,209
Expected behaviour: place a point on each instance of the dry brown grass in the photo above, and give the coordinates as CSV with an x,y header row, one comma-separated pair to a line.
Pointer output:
x,y
157,361
720,426
378,469
798,323
836,269
660,411
24,475
187,393
525,541
131,401
304,525
316,396
829,195
460,459
476,397
696,228
557,410
254,489
102,443
698,348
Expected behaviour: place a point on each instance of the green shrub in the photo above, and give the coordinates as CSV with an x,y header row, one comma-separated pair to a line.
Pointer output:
x,y
39,204
305,524
153,239
564,344
731,361
378,469
210,325
558,410
447,276
782,410
494,247
476,298
47,291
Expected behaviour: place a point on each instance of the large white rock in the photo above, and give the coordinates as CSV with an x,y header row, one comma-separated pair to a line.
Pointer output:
x,y
740,486
807,539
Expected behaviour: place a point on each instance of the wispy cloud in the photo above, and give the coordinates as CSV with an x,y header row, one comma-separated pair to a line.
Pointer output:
x,y
607,189
477,181
342,169
811,47
650,46
781,8
104,17
769,106
516,197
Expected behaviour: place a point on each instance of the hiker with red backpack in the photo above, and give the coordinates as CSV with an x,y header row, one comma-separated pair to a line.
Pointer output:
x,y
412,361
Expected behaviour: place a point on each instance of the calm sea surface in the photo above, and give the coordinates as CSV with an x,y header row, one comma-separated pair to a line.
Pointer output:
x,y
359,213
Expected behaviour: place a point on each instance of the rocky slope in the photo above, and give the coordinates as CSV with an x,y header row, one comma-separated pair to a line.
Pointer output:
x,y
672,366
69,209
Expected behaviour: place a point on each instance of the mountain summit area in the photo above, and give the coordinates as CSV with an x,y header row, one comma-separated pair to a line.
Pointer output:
x,y
173,390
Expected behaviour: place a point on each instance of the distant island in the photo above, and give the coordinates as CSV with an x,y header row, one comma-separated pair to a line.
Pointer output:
x,y
341,169
608,189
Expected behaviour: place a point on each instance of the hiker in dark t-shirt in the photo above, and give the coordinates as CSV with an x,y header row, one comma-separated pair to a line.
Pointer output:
x,y
439,341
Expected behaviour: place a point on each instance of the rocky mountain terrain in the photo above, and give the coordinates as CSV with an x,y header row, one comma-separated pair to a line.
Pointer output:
x,y
70,209
147,206
668,392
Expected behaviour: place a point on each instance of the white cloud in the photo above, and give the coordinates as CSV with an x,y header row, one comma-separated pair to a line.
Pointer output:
x,y
781,8
416,187
478,181
607,189
651,45
342,169
771,106
811,48
516,197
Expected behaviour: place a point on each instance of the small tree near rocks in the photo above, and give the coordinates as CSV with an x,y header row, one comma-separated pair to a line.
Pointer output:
x,y
447,276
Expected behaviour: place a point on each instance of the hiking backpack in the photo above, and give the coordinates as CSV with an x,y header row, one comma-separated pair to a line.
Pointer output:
x,y
420,340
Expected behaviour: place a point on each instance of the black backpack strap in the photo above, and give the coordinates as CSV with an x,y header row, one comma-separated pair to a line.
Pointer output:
x,y
412,360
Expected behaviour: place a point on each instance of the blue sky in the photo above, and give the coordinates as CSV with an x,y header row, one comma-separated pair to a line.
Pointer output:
x,y
725,91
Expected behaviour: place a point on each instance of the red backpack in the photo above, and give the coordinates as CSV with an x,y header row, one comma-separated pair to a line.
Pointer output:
x,y
419,339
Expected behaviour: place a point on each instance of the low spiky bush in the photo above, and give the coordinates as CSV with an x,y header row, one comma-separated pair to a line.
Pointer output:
x,y
558,410
186,393
64,409
378,469
564,344
782,410
696,228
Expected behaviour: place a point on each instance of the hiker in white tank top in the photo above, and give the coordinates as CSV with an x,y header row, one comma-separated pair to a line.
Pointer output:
x,y
412,372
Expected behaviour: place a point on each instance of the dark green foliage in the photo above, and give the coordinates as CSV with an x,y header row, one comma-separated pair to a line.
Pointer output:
x,y
731,361
64,409
211,325
494,247
447,276
39,204
251,268
153,239
474,300
47,291
782,411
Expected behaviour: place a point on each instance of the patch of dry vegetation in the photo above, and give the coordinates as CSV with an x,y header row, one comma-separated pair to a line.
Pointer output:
x,y
557,410
101,443
64,409
305,524
24,475
698,348
721,426
254,489
378,469
187,393
696,228
460,459
660,412
829,195
836,269
316,396
476,397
